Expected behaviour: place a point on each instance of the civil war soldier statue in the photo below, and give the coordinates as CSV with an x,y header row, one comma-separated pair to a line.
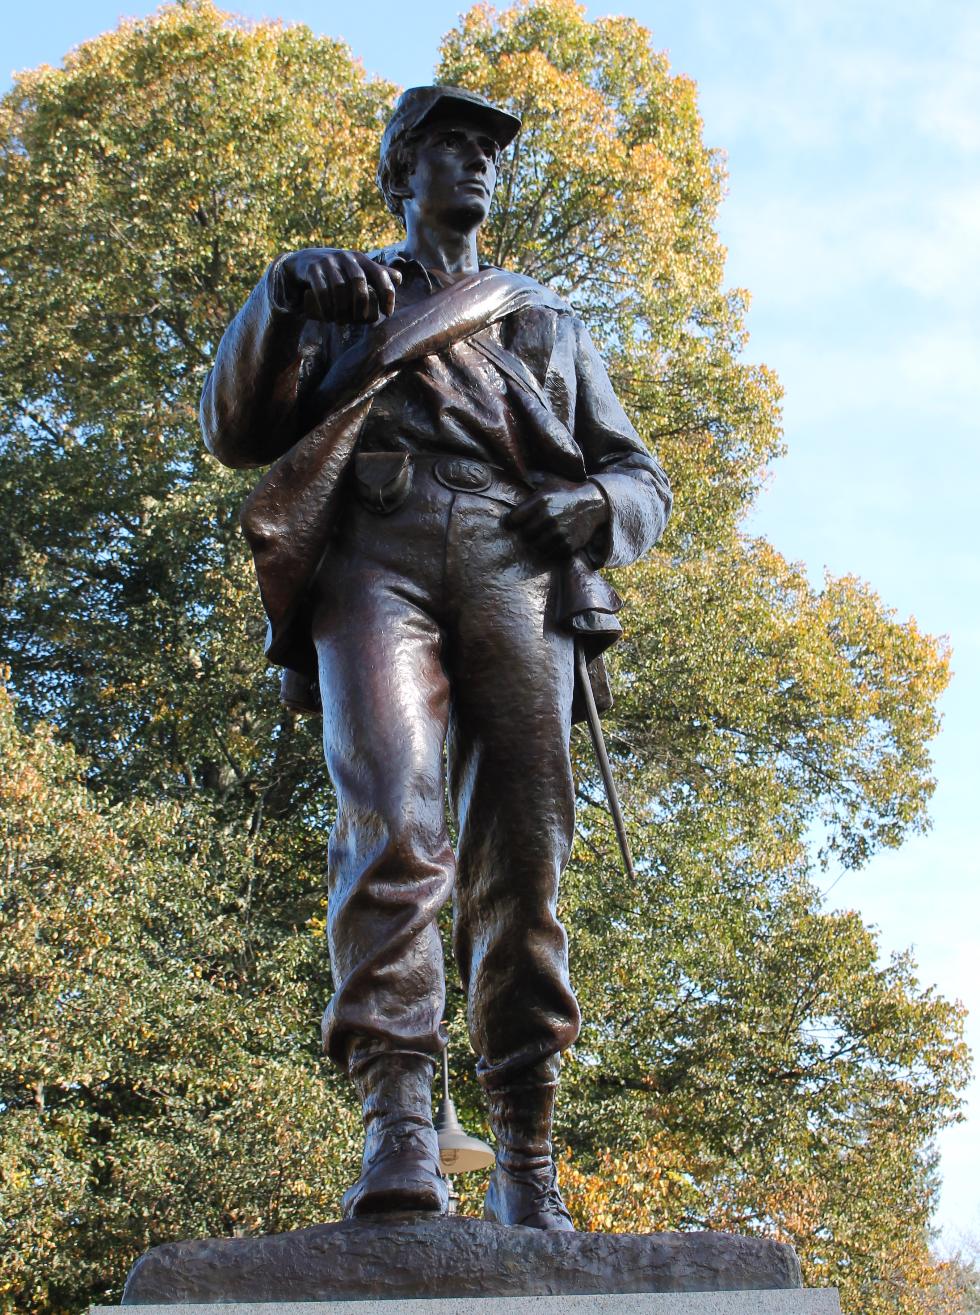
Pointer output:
x,y
449,466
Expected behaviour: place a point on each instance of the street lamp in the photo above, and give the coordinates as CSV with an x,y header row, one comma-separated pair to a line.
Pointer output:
x,y
458,1152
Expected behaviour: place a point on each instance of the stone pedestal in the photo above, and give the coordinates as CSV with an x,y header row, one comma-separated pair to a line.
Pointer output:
x,y
798,1301
453,1265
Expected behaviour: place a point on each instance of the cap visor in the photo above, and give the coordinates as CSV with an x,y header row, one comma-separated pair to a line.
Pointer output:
x,y
503,127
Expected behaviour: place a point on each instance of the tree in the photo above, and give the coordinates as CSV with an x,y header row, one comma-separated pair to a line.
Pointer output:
x,y
961,1271
144,1092
747,1061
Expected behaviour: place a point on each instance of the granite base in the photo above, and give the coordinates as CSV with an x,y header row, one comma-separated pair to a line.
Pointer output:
x,y
799,1301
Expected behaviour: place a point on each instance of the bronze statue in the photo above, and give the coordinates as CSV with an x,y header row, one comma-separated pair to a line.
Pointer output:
x,y
449,468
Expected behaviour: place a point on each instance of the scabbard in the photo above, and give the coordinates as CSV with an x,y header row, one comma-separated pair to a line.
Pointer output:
x,y
602,757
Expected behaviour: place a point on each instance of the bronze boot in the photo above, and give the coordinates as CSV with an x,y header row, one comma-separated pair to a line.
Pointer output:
x,y
524,1185
400,1169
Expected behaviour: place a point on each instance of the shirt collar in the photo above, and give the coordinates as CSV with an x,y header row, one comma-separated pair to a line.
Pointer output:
x,y
412,268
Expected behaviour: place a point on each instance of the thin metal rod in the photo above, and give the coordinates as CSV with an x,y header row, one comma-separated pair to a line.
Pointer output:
x,y
445,1073
602,757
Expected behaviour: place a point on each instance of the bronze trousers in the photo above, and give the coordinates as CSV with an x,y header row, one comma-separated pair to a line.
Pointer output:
x,y
437,650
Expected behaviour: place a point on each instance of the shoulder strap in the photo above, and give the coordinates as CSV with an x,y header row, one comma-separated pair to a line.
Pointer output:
x,y
510,365
429,327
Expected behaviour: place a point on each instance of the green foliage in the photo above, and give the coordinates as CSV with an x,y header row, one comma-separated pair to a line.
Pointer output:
x,y
747,1061
159,1074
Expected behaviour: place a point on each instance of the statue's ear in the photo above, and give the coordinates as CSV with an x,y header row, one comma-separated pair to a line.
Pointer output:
x,y
402,189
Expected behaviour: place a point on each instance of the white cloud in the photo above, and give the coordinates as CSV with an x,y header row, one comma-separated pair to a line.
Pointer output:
x,y
792,247
853,159
821,76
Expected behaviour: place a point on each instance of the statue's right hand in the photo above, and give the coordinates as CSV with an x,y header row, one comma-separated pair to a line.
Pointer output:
x,y
346,287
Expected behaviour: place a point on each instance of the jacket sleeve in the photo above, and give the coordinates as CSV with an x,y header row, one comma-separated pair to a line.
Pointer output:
x,y
632,480
267,365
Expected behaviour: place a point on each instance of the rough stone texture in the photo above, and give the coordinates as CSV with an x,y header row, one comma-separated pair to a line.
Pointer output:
x,y
815,1301
386,1258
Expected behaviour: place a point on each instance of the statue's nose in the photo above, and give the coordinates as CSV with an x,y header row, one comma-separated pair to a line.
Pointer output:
x,y
479,158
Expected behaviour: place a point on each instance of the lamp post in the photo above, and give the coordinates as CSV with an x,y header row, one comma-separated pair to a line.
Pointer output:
x,y
458,1152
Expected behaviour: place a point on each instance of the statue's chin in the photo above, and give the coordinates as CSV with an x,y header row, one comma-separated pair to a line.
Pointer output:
x,y
468,212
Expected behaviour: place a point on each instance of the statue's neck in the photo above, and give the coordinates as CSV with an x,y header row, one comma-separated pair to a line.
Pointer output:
x,y
445,249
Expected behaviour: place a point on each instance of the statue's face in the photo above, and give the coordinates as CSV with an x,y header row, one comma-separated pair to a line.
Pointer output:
x,y
455,173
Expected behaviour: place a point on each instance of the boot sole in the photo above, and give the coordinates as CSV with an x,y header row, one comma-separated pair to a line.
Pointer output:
x,y
408,1197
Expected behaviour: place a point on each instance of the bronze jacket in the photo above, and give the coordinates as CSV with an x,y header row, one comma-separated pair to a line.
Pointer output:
x,y
296,392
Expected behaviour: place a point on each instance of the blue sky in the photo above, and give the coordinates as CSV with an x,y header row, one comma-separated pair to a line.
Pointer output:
x,y
852,129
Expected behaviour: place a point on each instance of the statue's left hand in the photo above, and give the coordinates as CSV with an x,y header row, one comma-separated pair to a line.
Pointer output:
x,y
560,521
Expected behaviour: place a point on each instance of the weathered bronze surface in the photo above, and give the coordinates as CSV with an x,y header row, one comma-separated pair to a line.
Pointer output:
x,y
396,1258
449,467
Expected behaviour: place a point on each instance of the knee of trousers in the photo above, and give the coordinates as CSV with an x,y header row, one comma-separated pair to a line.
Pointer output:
x,y
521,1006
400,848
387,886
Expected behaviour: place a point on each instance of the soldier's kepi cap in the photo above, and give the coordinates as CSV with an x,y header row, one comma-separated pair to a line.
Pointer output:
x,y
420,105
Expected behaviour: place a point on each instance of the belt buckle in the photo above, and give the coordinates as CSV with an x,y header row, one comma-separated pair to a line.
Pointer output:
x,y
463,475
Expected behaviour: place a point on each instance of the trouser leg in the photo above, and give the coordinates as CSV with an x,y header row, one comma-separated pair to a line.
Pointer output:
x,y
513,793
391,866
